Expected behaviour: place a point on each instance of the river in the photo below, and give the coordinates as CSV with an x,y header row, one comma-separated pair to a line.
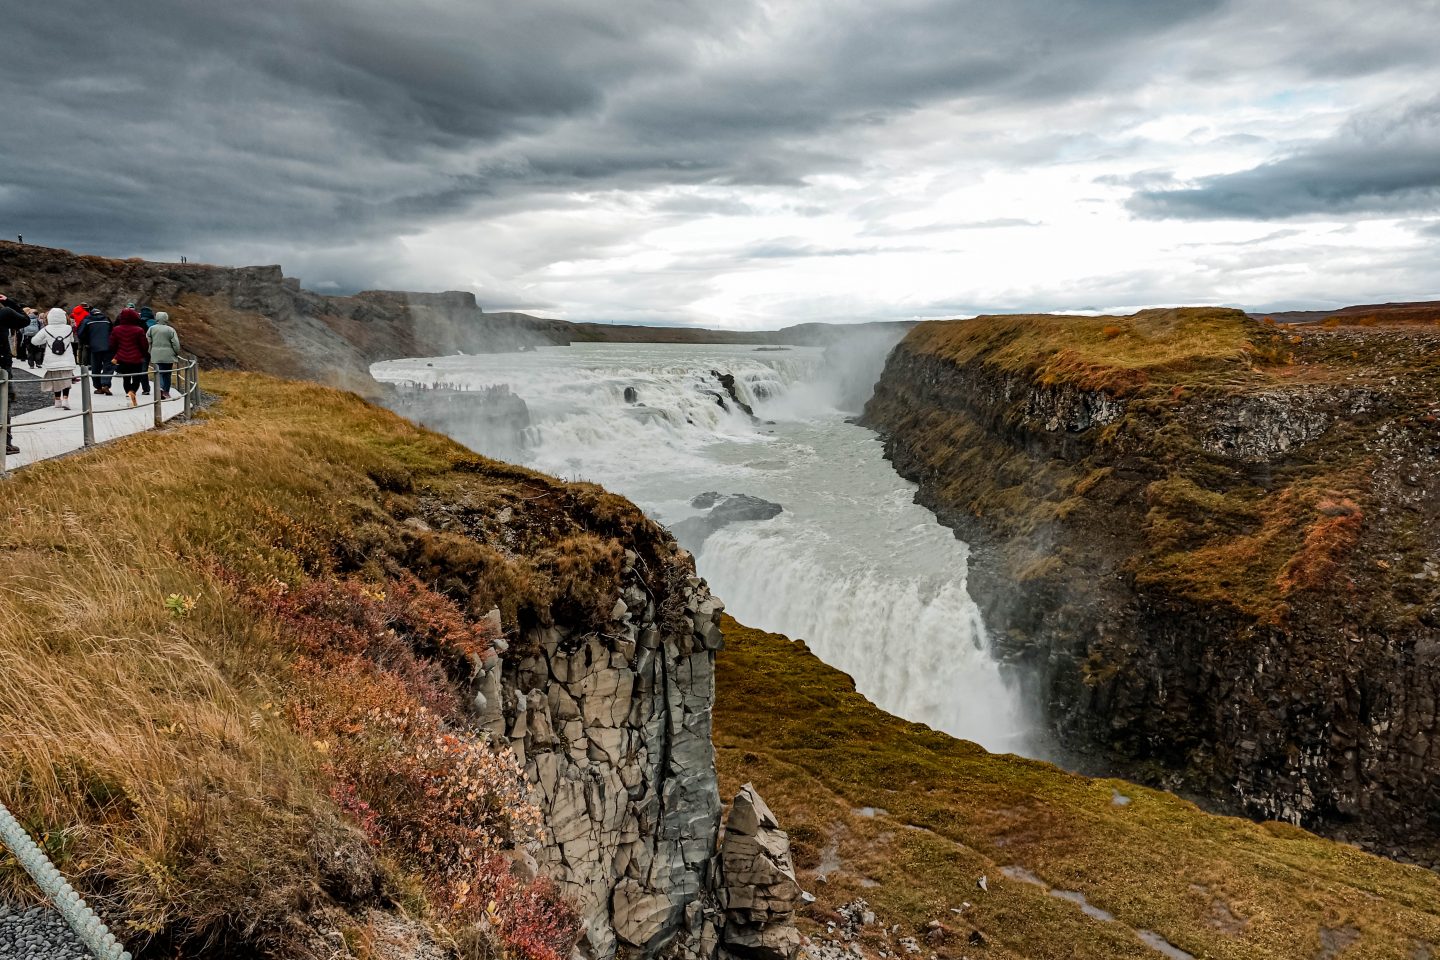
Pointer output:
x,y
870,580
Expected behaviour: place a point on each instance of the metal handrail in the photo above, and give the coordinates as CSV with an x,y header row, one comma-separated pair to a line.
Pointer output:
x,y
186,372
88,926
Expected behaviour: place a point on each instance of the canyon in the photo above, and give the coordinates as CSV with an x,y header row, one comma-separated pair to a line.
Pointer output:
x,y
1201,539
1208,542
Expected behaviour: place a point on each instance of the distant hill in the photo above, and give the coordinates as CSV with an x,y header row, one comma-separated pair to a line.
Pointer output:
x,y
1427,311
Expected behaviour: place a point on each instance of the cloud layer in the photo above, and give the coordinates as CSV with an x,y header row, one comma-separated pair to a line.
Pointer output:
x,y
750,164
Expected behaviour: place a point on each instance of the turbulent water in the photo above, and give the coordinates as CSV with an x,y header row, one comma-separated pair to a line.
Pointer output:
x,y
851,565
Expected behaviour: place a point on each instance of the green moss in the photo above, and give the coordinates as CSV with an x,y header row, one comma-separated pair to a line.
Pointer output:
x,y
819,752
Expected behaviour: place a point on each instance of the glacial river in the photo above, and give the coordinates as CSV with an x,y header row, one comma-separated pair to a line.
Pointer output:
x,y
852,565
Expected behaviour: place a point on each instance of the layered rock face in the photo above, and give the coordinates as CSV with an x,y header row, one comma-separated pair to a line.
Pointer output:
x,y
612,727
1217,575
613,730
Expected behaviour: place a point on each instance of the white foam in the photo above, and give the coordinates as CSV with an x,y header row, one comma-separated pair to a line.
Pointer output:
x,y
853,566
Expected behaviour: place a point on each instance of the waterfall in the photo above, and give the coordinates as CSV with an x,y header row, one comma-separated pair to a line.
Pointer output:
x,y
851,564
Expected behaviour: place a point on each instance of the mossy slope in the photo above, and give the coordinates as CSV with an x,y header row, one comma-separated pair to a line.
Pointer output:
x,y
946,813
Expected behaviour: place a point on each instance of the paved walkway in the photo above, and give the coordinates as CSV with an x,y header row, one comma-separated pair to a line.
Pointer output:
x,y
42,434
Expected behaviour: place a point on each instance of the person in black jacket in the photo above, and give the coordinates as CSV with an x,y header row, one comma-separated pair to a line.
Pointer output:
x,y
12,318
94,333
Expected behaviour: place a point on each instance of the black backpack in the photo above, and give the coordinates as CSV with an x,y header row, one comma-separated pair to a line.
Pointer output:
x,y
58,345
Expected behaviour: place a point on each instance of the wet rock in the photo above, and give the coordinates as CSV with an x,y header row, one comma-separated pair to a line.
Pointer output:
x,y
727,380
724,509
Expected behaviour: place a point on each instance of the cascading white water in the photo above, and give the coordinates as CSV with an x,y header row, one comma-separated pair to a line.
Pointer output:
x,y
852,565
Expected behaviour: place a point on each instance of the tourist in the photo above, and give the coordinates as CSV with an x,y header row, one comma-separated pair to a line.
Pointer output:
x,y
132,352
164,351
29,350
12,318
147,320
56,341
93,335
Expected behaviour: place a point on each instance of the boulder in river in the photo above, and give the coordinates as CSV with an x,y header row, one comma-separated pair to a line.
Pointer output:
x,y
724,508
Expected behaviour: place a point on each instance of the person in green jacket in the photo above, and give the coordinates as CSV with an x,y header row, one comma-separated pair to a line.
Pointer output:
x,y
164,351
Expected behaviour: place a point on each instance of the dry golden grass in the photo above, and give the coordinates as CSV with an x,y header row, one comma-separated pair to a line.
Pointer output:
x,y
140,696
1118,354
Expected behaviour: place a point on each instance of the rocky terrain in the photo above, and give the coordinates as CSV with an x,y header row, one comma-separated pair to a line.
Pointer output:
x,y
1208,542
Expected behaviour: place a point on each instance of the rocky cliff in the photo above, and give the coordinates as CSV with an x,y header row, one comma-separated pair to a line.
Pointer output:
x,y
1208,543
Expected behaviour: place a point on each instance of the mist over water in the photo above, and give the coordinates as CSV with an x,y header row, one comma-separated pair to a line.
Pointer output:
x,y
871,582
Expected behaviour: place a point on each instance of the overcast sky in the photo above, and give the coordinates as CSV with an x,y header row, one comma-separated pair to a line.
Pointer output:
x,y
745,164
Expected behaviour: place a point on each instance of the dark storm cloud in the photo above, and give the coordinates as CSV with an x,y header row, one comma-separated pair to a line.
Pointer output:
x,y
1381,163
162,125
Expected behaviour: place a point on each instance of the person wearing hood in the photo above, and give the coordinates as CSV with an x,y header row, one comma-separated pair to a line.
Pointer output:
x,y
164,351
56,341
93,335
132,351
147,320
32,353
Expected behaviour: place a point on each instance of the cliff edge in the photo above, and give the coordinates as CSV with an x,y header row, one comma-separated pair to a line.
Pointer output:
x,y
1209,543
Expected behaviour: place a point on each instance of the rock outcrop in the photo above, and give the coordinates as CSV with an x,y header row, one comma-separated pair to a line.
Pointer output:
x,y
1204,541
721,510
756,882
613,730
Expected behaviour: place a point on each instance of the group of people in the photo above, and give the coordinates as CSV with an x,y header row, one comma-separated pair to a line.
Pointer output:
x,y
58,345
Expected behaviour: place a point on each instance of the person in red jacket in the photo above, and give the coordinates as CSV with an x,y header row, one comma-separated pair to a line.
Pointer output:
x,y
132,351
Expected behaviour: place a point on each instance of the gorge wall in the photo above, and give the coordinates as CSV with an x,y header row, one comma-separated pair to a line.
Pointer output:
x,y
607,707
1208,543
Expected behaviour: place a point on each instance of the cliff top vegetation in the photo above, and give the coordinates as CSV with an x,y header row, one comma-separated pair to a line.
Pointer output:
x,y
1260,452
233,653
1117,354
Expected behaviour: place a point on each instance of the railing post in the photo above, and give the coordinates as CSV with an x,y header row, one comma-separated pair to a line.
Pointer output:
x,y
182,374
155,394
87,409
4,418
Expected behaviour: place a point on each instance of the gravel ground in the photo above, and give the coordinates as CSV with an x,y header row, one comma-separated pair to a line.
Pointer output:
x,y
27,392
37,933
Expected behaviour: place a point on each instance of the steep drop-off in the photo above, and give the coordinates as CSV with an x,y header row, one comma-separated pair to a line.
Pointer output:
x,y
1208,541
269,706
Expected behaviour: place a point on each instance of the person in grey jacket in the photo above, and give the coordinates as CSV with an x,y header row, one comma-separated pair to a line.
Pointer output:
x,y
164,351
32,354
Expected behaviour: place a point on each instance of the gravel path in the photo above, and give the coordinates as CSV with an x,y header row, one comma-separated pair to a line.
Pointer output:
x,y
37,933
27,392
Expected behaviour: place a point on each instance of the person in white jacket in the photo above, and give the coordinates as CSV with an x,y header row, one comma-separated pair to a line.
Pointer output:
x,y
56,341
